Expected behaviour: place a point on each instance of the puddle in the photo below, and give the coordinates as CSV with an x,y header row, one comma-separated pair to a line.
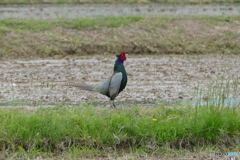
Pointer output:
x,y
218,102
44,11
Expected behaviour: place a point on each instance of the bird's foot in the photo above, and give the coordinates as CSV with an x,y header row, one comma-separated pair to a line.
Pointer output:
x,y
113,105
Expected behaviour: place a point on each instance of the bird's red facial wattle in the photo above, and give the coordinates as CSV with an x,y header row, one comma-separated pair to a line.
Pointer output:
x,y
122,56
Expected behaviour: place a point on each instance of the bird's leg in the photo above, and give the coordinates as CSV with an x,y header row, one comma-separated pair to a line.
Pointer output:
x,y
113,105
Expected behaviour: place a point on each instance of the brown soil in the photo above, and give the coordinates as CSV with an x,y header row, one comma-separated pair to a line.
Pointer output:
x,y
151,78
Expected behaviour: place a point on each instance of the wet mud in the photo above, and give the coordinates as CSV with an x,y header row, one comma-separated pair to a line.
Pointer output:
x,y
85,10
151,78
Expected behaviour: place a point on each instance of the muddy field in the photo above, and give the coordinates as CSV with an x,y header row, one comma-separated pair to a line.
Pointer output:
x,y
70,11
151,78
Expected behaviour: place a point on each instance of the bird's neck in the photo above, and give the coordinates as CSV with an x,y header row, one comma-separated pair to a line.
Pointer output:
x,y
119,62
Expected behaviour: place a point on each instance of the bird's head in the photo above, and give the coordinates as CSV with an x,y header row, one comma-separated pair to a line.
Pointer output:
x,y
122,56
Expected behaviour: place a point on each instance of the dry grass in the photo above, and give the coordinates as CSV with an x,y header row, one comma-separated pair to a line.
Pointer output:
x,y
148,35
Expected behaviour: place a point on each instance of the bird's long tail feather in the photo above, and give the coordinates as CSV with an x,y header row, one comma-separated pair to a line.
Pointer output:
x,y
80,86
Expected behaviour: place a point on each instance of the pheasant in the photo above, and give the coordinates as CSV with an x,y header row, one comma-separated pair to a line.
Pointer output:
x,y
113,85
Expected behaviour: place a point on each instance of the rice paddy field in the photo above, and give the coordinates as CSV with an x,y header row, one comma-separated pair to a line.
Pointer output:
x,y
181,100
116,1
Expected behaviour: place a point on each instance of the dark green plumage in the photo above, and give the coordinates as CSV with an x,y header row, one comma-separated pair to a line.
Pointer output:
x,y
121,68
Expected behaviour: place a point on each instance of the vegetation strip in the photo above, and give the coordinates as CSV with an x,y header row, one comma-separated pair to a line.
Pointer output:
x,y
57,38
146,130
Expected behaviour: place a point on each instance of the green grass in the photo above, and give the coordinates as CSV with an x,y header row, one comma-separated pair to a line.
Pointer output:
x,y
23,24
109,22
116,1
75,23
85,127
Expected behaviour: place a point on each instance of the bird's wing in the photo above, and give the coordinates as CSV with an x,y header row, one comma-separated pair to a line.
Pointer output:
x,y
115,85
103,87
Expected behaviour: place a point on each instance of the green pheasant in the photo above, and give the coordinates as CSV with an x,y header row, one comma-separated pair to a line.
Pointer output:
x,y
113,85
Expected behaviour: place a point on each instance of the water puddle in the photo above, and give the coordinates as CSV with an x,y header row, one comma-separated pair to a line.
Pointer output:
x,y
218,102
